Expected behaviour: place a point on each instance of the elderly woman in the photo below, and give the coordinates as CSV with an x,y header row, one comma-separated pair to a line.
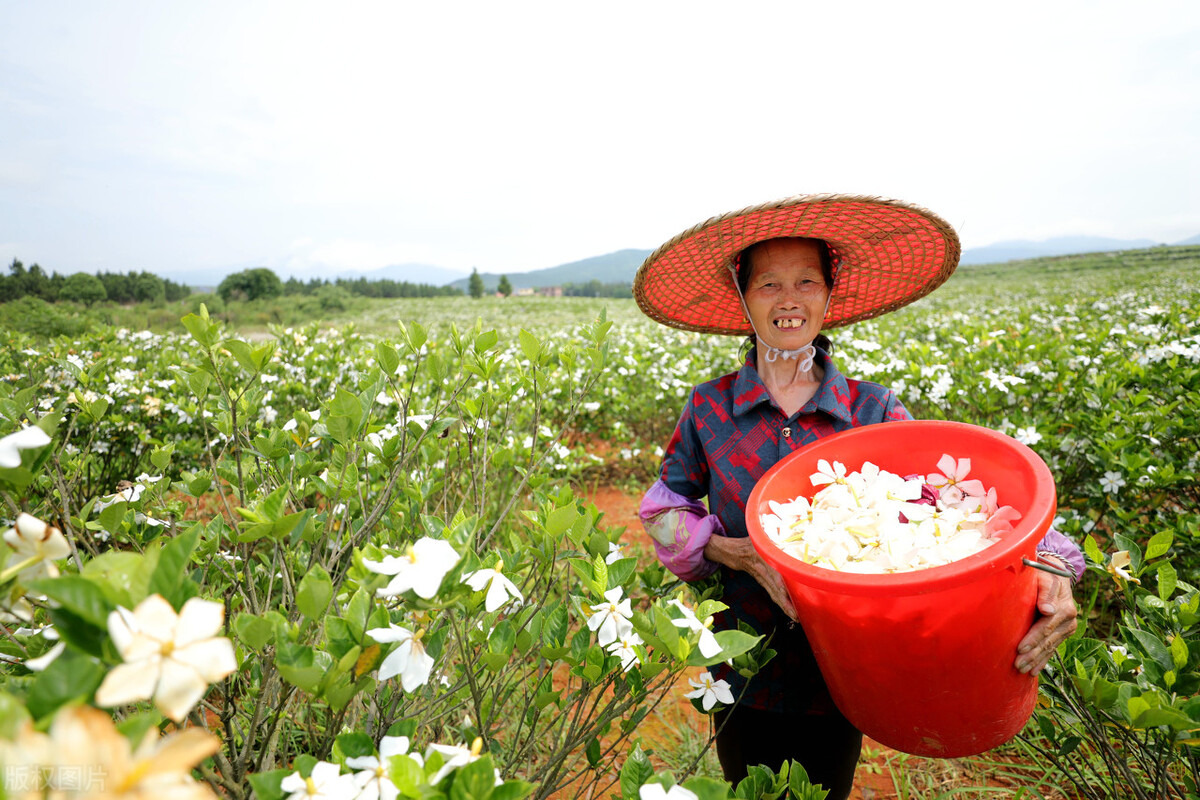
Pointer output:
x,y
782,273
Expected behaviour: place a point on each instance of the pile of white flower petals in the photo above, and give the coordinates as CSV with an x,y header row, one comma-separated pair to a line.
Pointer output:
x,y
870,521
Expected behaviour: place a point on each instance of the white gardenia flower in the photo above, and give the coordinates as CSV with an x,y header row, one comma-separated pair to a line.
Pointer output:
x,y
1112,482
457,755
409,660
324,782
373,779
24,439
708,643
30,538
710,692
626,648
499,588
611,620
653,791
170,658
420,570
130,494
873,521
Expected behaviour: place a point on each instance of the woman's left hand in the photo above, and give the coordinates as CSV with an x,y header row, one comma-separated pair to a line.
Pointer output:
x,y
1057,606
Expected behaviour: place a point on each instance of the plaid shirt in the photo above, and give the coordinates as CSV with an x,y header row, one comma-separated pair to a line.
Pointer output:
x,y
730,433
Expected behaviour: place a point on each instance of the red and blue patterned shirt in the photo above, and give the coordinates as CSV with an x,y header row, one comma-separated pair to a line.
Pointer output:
x,y
730,433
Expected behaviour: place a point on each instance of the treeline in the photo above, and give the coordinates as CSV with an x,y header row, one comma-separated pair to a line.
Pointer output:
x,y
383,287
595,288
259,283
85,288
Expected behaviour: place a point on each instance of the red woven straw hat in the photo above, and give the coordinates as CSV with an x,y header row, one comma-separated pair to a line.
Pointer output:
x,y
886,254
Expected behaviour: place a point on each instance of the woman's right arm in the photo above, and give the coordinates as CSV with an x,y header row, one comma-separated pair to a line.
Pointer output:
x,y
681,528
672,513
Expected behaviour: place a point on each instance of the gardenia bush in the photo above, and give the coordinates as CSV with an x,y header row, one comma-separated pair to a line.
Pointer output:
x,y
325,567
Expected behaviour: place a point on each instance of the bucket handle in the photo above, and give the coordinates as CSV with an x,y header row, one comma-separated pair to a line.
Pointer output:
x,y
1047,568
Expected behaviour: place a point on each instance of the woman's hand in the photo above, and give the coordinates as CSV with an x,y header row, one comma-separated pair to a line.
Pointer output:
x,y
739,554
1057,606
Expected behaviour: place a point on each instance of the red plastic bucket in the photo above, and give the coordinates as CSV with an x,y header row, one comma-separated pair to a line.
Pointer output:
x,y
922,661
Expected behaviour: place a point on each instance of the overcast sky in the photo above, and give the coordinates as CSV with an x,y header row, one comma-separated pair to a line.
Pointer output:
x,y
512,136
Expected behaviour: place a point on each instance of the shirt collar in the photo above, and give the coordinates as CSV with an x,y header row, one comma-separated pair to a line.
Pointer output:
x,y
833,396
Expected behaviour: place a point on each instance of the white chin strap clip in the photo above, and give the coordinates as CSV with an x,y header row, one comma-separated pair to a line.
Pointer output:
x,y
805,355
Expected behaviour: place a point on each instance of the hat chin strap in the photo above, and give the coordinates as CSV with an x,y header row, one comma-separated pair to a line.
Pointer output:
x,y
802,355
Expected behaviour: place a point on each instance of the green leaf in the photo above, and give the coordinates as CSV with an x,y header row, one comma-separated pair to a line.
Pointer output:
x,y
242,352
124,575
1168,581
530,346
733,644
314,593
352,745
201,330
634,772
707,788
1153,646
169,576
620,571
560,519
137,725
1179,651
387,358
266,785
1159,544
302,666
111,517
1093,550
407,775
253,631
511,790
668,633
70,677
12,714
503,638
77,594
557,624
486,341
799,786
474,781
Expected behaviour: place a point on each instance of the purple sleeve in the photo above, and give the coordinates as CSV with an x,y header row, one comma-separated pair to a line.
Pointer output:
x,y
680,528
1056,544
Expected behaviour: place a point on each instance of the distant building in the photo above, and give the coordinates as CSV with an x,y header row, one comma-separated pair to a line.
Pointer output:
x,y
524,291
550,291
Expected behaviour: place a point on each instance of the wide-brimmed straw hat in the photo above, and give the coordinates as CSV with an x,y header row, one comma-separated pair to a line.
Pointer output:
x,y
886,253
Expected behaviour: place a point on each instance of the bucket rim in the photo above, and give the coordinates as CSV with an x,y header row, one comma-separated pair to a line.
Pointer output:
x,y
1007,552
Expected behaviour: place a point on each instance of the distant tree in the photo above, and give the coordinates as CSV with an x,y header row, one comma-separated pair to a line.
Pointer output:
x,y
475,285
12,286
83,287
504,288
175,291
37,283
250,284
148,288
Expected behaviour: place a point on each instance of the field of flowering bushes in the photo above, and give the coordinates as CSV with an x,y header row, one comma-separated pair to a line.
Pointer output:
x,y
354,560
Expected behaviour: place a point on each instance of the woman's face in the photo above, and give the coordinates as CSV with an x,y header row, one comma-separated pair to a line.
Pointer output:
x,y
786,293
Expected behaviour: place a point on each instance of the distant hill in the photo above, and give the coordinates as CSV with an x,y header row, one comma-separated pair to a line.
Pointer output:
x,y
413,273
618,267
1060,246
622,265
